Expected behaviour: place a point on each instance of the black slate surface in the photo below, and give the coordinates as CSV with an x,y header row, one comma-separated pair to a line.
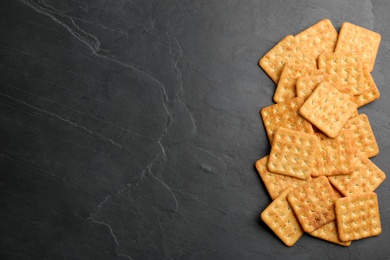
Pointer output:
x,y
129,129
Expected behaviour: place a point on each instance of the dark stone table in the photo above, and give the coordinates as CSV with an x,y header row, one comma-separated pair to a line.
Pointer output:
x,y
130,129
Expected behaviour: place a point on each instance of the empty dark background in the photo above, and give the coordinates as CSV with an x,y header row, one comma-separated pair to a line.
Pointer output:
x,y
129,129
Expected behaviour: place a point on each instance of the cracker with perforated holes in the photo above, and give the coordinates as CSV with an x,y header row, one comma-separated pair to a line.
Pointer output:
x,y
363,136
370,92
336,155
347,65
365,178
306,85
284,115
328,109
318,38
358,216
281,220
313,203
353,38
329,233
290,73
293,153
273,61
276,183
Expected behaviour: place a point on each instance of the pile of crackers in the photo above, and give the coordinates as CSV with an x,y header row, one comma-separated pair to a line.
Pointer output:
x,y
318,172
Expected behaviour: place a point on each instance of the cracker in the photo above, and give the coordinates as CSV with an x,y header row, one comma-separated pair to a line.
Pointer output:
x,y
272,62
358,216
370,92
287,81
275,183
328,109
335,155
293,153
347,65
281,220
353,38
284,115
313,203
365,178
319,38
329,233
363,136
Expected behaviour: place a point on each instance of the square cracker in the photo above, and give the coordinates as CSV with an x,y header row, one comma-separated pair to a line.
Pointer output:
x,y
284,115
370,91
363,136
286,50
365,178
353,38
335,155
313,203
347,65
328,109
281,220
306,85
320,37
275,183
329,233
287,81
358,216
293,153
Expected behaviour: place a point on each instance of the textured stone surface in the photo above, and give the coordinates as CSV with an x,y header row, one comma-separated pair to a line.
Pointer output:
x,y
130,129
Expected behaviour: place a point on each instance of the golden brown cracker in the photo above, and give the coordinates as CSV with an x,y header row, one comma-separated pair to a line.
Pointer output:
x,y
328,109
365,178
353,38
275,183
272,62
335,154
313,203
284,115
329,233
319,38
281,220
370,92
358,216
347,65
293,153
363,136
